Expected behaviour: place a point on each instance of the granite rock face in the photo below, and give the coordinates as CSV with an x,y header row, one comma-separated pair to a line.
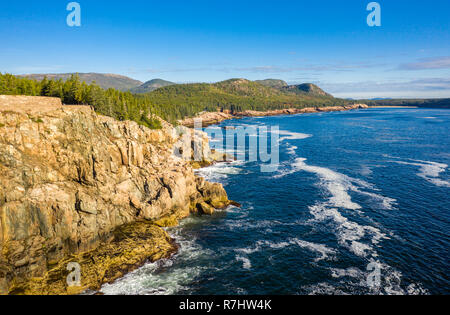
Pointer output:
x,y
70,178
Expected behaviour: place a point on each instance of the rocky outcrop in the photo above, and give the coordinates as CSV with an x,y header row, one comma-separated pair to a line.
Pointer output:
x,y
71,181
207,119
130,247
306,110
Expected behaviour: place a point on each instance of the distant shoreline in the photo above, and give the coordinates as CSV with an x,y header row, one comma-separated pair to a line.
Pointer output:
x,y
213,118
387,106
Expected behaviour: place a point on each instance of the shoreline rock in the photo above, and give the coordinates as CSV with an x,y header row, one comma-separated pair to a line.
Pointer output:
x,y
72,180
130,247
213,118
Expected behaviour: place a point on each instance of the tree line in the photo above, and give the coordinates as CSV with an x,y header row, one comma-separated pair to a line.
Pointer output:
x,y
171,103
120,105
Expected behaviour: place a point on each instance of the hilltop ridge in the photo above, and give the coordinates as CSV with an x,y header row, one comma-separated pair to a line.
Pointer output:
x,y
150,86
307,88
104,80
274,83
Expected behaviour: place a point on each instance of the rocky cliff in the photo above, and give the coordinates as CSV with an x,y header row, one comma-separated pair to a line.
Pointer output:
x,y
79,187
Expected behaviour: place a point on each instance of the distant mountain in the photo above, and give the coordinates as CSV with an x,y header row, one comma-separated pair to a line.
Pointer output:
x,y
235,95
244,87
308,89
273,83
151,85
304,89
104,80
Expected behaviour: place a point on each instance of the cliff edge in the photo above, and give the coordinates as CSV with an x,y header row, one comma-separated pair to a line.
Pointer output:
x,y
79,187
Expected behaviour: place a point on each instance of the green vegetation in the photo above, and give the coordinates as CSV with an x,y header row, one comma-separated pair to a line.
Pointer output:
x,y
183,100
172,102
152,123
111,102
428,103
307,88
37,120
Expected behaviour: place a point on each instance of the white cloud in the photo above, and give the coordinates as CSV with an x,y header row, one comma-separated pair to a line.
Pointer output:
x,y
419,88
428,63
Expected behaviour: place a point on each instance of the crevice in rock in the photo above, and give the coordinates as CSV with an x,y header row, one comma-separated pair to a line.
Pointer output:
x,y
94,172
168,187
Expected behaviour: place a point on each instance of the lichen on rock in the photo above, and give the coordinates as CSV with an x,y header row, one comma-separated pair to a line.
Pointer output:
x,y
70,179
131,246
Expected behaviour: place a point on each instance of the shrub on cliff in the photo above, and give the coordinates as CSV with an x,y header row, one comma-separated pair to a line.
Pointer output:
x,y
151,123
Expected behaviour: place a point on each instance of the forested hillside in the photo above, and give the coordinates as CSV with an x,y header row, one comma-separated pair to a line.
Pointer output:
x,y
171,102
307,88
235,95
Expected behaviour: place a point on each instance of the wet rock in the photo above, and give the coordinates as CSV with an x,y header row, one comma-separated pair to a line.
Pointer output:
x,y
131,247
204,208
70,178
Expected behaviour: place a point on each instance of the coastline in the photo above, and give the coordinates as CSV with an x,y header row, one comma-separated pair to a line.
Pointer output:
x,y
213,118
86,189
394,106
110,253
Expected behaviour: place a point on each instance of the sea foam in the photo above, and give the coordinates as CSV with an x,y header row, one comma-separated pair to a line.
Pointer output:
x,y
337,186
430,171
323,251
177,275
289,135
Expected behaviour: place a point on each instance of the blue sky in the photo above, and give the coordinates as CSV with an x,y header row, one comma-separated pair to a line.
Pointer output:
x,y
324,42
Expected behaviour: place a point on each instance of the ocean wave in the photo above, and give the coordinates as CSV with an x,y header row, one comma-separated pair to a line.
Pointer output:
x,y
361,240
366,170
220,171
335,183
352,272
245,225
390,281
323,289
384,202
430,171
284,172
291,150
288,135
323,251
246,263
166,276
350,234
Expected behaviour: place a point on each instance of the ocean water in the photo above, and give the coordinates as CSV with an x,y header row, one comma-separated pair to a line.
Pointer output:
x,y
359,205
